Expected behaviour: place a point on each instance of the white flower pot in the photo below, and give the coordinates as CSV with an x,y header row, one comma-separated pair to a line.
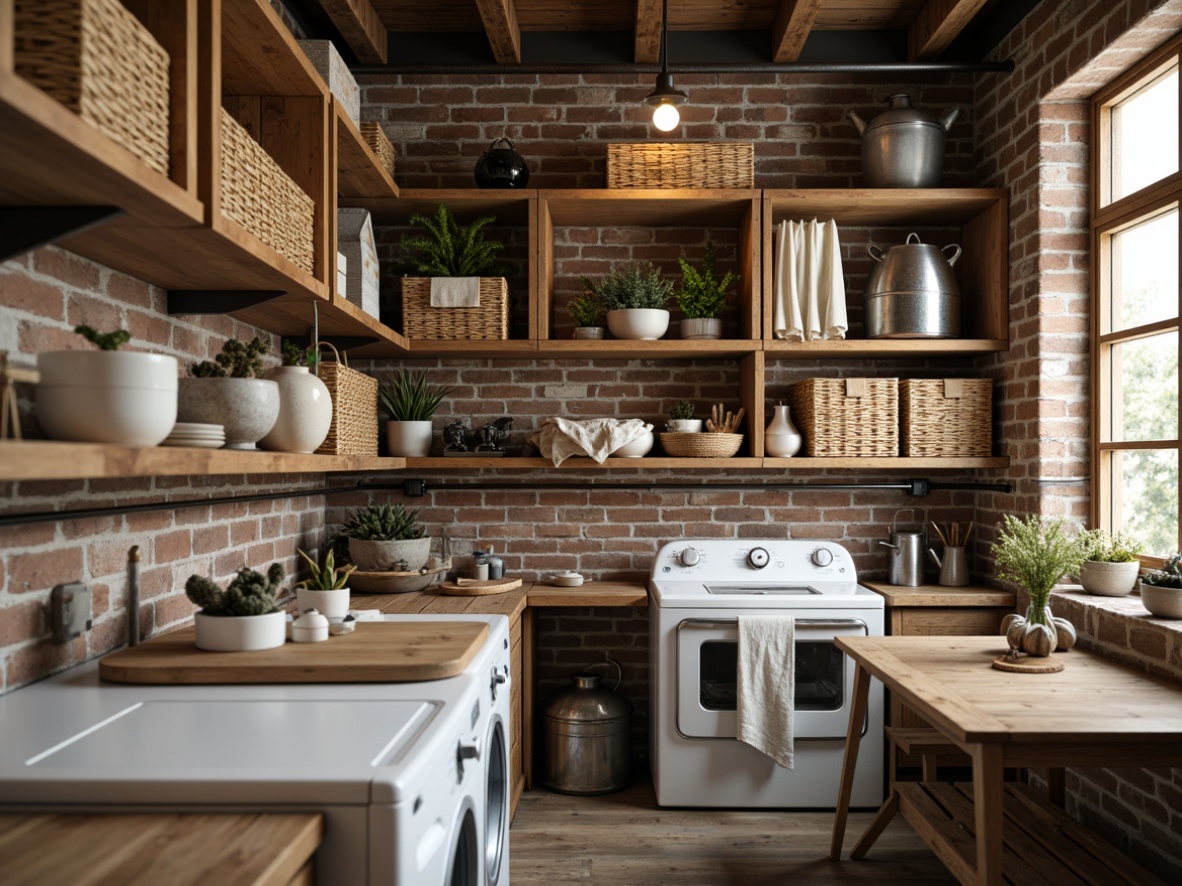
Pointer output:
x,y
382,556
240,633
246,407
1108,579
331,604
305,411
1161,602
701,327
684,425
589,332
411,439
637,448
124,397
646,324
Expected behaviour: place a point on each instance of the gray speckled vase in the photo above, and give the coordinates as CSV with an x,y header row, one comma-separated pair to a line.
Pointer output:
x,y
247,407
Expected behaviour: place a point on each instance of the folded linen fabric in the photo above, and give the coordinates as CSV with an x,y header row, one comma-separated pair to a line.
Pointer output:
x,y
766,685
560,438
809,297
455,292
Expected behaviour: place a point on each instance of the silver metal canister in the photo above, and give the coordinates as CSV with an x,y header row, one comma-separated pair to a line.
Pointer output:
x,y
912,292
905,568
588,738
903,147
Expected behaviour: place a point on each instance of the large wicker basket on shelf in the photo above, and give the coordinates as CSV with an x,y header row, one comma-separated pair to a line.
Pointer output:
x,y
681,165
354,428
947,417
847,416
262,198
376,138
488,321
705,445
98,60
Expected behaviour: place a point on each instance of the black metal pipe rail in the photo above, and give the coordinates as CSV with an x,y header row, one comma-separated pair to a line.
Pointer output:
x,y
999,67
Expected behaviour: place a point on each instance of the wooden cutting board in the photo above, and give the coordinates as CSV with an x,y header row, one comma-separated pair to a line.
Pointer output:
x,y
375,652
475,587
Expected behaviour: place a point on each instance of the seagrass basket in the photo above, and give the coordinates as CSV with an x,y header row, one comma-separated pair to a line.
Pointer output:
x,y
376,138
847,416
680,444
98,60
488,321
354,428
946,417
681,165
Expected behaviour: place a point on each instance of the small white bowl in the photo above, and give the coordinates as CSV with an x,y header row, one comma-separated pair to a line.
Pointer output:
x,y
567,580
637,448
1161,602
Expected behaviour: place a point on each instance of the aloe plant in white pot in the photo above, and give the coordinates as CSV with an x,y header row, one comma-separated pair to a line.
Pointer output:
x,y
1110,564
326,589
409,402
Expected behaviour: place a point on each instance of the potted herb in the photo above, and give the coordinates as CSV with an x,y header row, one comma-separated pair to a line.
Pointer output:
x,y
702,297
107,395
326,587
384,538
241,618
410,402
1036,554
634,299
456,289
681,418
1161,589
587,313
229,391
1110,564
305,405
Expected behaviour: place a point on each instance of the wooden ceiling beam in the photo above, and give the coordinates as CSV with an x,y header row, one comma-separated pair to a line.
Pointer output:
x,y
648,31
504,34
794,20
937,25
361,27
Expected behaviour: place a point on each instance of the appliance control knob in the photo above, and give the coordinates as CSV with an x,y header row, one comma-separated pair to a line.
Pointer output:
x,y
465,752
689,557
757,558
822,557
497,679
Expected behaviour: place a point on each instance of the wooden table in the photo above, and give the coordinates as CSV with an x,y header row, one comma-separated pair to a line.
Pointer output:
x,y
1096,712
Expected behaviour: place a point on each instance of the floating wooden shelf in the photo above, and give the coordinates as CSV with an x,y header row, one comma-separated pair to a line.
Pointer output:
x,y
886,463
857,349
664,349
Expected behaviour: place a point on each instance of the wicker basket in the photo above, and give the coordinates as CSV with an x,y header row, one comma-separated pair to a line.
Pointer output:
x,y
681,165
421,321
262,198
376,138
946,418
847,416
96,58
354,428
706,445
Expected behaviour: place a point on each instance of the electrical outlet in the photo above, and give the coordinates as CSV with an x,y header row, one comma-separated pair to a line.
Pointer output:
x,y
70,611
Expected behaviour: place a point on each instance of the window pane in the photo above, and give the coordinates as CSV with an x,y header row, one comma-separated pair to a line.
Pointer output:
x,y
1145,272
1145,389
1145,136
1146,497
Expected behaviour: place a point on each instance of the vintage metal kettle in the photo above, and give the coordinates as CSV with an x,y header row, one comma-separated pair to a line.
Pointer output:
x,y
903,147
501,167
588,737
907,547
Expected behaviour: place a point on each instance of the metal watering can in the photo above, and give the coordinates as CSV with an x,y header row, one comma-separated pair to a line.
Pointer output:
x,y
907,551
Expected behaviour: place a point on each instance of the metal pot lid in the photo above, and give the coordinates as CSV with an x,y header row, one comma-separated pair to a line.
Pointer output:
x,y
901,113
586,702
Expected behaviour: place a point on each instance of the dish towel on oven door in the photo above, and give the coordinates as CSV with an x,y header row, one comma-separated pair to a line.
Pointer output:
x,y
809,296
766,684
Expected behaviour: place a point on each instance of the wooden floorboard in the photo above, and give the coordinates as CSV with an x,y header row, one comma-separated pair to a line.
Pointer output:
x,y
625,839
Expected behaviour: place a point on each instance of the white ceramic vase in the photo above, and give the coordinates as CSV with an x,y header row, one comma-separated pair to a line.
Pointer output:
x,y
644,324
701,327
410,439
305,411
331,604
781,439
240,633
1108,579
382,556
124,397
246,407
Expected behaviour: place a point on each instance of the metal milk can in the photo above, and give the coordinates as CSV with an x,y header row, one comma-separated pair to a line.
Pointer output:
x,y
588,737
907,550
903,147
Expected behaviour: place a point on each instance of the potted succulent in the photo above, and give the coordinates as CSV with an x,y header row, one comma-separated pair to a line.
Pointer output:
x,y
634,299
702,297
229,391
681,418
386,539
305,405
326,587
587,313
1036,554
107,395
1110,564
241,618
1161,589
409,402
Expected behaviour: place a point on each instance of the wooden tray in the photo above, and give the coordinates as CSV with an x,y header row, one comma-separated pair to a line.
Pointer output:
x,y
472,587
376,652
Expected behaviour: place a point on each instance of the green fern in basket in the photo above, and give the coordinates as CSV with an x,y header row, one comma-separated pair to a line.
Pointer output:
x,y
449,249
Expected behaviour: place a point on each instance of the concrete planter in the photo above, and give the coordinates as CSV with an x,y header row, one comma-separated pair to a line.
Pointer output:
x,y
1108,579
382,556
247,407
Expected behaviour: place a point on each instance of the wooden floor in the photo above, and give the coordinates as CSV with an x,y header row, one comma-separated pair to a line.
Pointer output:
x,y
625,839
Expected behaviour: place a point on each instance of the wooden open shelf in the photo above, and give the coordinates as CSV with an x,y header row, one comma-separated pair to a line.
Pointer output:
x,y
580,463
887,463
664,349
359,174
857,349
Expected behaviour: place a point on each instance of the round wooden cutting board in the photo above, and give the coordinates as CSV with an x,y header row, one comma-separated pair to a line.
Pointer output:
x,y
472,587
1028,665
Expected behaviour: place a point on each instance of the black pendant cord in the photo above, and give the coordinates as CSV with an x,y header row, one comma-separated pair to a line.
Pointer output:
x,y
664,36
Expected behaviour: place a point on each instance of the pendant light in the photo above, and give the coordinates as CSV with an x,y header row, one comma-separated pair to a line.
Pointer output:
x,y
665,98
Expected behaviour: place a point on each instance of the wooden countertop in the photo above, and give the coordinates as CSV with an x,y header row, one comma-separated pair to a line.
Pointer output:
x,y
937,595
510,603
592,593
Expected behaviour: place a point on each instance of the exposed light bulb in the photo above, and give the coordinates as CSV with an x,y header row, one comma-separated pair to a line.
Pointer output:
x,y
666,117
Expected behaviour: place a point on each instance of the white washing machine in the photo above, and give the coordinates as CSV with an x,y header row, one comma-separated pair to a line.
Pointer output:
x,y
698,590
412,777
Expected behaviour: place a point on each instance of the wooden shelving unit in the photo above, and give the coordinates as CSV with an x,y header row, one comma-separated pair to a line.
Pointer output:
x,y
579,463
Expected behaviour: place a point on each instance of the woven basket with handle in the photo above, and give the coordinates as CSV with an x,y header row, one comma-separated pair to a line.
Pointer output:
x,y
847,416
354,428
947,417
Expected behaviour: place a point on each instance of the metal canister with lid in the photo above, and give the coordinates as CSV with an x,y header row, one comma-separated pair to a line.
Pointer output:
x,y
588,737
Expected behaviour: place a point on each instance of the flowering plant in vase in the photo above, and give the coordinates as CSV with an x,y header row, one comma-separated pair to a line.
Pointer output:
x,y
1037,554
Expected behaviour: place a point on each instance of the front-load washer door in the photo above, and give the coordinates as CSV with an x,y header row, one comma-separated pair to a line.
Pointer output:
x,y
496,806
707,677
464,861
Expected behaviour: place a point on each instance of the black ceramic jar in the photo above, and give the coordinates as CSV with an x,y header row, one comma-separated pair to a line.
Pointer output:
x,y
501,167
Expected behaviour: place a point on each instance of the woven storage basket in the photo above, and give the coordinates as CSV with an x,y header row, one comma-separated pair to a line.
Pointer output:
x,y
262,198
489,321
354,428
946,418
706,445
681,165
96,58
847,416
376,138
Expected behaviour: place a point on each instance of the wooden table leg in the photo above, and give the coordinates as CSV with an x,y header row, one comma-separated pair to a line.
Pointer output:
x,y
528,663
988,792
885,813
853,738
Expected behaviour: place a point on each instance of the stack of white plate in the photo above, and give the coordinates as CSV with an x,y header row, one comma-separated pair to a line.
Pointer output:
x,y
202,436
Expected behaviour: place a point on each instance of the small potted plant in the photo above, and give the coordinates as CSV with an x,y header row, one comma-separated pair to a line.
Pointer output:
x,y
702,297
326,587
681,418
634,299
107,395
241,618
1037,554
1110,564
229,391
305,405
1161,589
587,313
409,402
386,539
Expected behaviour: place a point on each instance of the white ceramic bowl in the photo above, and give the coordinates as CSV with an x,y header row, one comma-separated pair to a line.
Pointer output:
x,y
1162,602
646,324
1106,579
567,580
637,448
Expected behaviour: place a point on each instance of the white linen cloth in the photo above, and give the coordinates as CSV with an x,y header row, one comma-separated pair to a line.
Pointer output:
x,y
766,685
809,298
455,292
560,438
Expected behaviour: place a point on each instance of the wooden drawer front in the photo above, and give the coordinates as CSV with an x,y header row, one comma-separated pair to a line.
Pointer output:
x,y
946,622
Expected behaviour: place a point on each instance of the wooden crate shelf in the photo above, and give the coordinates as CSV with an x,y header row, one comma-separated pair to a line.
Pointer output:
x,y
358,172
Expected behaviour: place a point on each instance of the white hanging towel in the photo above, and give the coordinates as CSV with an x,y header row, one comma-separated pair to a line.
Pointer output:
x,y
809,298
787,321
766,685
833,323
